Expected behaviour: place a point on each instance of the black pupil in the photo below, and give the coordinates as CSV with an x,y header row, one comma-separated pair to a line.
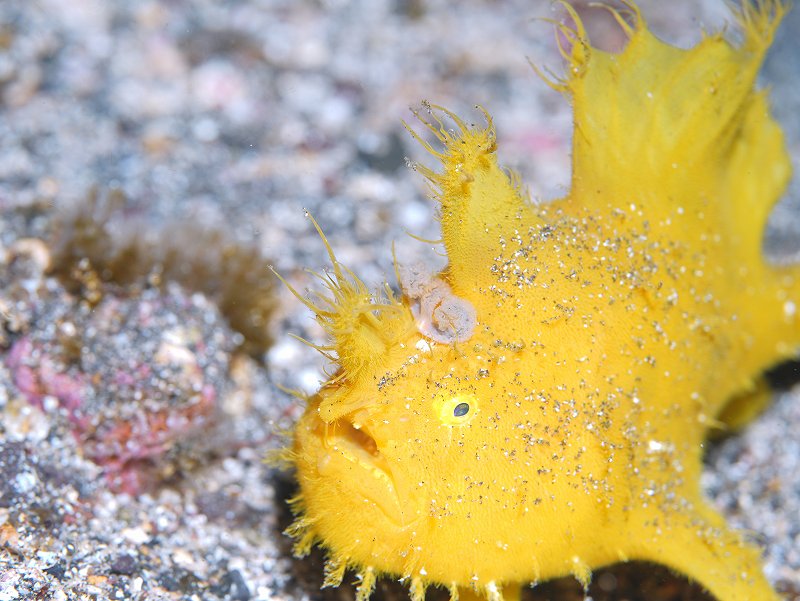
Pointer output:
x,y
461,410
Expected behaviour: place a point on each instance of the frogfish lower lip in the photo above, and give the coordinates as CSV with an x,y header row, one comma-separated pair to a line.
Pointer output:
x,y
343,439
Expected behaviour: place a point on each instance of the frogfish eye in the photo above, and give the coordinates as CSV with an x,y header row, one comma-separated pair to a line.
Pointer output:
x,y
456,410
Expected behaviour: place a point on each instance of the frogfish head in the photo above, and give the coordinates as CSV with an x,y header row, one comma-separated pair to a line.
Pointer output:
x,y
397,455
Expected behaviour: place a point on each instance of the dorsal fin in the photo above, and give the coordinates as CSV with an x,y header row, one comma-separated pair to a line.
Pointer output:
x,y
657,113
481,204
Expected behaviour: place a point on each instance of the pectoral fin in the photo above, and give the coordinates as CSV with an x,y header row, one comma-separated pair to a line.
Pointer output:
x,y
701,546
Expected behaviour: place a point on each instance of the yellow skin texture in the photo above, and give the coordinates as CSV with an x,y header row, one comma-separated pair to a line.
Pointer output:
x,y
615,328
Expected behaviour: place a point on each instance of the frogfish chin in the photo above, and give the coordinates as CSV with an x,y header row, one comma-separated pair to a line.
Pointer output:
x,y
539,407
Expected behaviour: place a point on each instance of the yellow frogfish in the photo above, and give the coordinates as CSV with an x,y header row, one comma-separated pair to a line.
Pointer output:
x,y
539,407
